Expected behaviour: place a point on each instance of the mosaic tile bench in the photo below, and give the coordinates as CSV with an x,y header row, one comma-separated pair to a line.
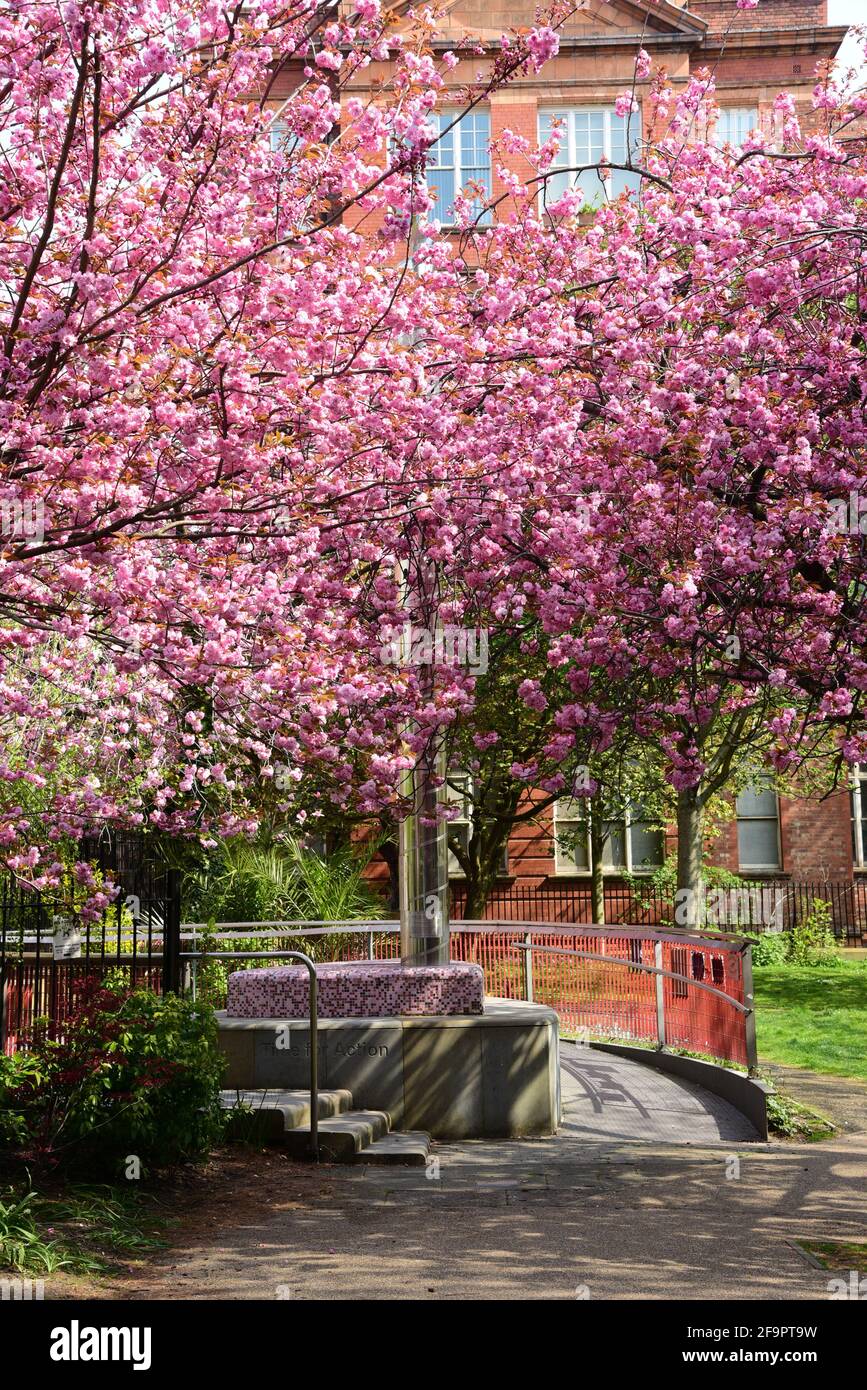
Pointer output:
x,y
358,989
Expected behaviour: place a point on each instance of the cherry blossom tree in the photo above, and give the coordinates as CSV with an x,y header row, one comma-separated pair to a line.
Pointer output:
x,y
232,424
215,436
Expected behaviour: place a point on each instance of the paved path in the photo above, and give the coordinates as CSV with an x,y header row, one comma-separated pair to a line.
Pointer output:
x,y
586,1214
607,1097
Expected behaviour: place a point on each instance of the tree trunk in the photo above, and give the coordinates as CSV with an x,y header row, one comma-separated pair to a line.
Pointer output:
x,y
476,900
690,843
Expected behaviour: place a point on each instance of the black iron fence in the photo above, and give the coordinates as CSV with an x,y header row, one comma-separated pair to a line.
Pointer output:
x,y
755,905
48,948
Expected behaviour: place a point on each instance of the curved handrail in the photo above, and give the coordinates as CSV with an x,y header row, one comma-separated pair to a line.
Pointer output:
x,y
314,1021
635,965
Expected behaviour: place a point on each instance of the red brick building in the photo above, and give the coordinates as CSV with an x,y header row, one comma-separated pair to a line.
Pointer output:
x,y
753,54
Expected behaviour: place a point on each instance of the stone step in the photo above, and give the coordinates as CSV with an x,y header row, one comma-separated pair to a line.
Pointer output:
x,y
345,1135
411,1149
267,1115
340,1139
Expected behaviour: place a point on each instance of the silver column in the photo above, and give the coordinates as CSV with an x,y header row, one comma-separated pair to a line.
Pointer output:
x,y
423,870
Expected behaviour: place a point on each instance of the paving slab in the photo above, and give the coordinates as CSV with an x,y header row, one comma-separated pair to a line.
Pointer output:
x,y
608,1097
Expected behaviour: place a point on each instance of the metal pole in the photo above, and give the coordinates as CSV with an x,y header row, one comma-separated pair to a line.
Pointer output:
x,y
660,996
314,1058
422,847
750,1020
528,968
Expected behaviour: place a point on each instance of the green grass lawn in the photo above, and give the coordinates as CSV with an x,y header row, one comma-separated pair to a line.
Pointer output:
x,y
813,1017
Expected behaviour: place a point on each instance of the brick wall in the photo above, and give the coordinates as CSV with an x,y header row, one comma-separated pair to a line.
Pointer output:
x,y
770,14
815,840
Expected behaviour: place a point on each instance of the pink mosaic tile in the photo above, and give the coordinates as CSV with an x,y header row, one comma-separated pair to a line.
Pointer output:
x,y
358,989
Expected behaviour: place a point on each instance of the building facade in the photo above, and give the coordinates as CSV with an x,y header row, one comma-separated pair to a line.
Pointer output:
x,y
751,54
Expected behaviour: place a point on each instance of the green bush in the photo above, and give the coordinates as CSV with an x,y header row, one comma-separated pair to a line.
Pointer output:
x,y
136,1074
811,942
771,948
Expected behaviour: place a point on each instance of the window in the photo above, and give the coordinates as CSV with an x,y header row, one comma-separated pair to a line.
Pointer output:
x,y
587,135
459,792
758,826
461,155
734,124
632,843
280,138
859,817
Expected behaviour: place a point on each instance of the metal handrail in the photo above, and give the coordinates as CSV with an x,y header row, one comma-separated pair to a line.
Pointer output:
x,y
724,941
314,1020
635,965
657,970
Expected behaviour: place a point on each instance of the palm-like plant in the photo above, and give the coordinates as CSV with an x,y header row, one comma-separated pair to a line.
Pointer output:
x,y
287,881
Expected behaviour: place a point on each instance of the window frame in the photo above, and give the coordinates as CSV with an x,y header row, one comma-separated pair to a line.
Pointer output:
x,y
482,174
453,868
625,824
569,113
857,816
728,112
752,818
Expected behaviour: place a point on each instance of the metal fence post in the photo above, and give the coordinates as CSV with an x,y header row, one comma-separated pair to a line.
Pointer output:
x,y
172,933
660,996
528,968
750,1018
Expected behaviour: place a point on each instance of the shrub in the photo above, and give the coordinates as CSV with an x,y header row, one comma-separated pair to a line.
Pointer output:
x,y
771,948
135,1074
812,941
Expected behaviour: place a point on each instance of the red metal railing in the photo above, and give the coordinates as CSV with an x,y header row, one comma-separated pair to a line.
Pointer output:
x,y
670,988
697,1001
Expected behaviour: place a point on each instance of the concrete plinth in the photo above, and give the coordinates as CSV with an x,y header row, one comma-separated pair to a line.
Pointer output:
x,y
495,1075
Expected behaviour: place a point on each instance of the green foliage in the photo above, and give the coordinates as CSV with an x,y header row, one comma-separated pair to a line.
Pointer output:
x,y
136,1074
792,1120
810,943
23,1247
770,948
280,882
284,881
812,940
42,1233
663,881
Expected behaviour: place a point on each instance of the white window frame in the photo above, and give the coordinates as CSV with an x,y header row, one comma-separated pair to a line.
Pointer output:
x,y
442,212
857,804
728,114
452,796
561,856
606,193
760,868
